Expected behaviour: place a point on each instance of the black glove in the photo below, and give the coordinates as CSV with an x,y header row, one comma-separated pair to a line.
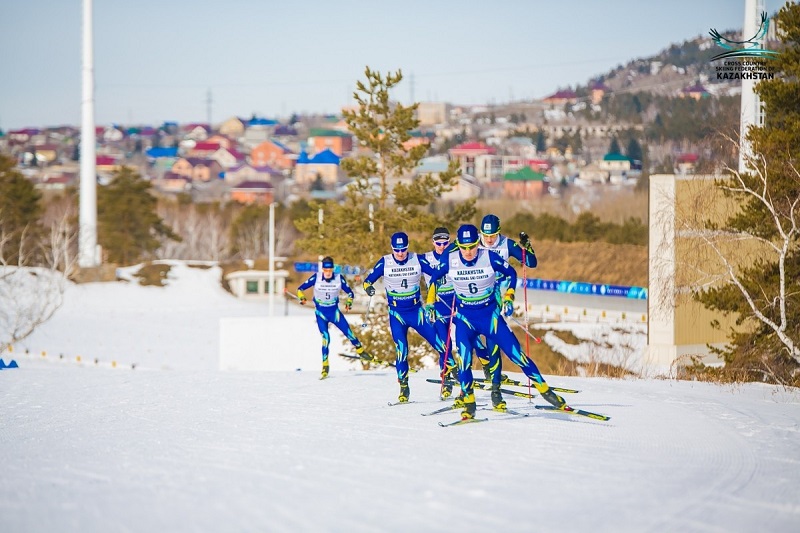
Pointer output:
x,y
524,240
370,290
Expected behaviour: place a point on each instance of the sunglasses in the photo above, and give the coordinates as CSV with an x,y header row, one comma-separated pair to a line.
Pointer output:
x,y
441,243
399,250
468,246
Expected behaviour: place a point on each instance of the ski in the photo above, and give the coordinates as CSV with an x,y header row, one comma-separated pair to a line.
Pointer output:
x,y
448,409
507,411
483,384
515,383
374,360
392,404
371,359
463,422
487,386
572,411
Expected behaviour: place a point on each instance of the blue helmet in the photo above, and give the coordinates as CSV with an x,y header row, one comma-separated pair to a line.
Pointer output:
x,y
399,241
467,236
490,225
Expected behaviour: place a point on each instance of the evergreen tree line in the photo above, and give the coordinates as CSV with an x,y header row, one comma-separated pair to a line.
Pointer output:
x,y
586,228
673,118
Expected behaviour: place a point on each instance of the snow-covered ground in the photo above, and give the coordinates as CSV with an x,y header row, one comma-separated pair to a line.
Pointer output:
x,y
176,445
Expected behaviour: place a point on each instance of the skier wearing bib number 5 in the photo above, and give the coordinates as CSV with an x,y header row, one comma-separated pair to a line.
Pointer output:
x,y
473,272
401,273
326,300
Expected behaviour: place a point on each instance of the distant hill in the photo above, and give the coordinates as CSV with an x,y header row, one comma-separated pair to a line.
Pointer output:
x,y
671,70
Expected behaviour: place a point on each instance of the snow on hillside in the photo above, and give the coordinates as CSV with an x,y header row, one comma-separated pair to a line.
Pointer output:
x,y
92,448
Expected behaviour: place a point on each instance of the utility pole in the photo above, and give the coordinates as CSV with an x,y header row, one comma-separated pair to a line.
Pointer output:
x,y
87,231
271,259
209,101
751,113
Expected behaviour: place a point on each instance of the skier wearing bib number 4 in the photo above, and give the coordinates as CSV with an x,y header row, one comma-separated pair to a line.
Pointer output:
x,y
401,273
326,300
473,272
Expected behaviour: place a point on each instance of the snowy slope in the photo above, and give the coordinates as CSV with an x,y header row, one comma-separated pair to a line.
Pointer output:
x,y
91,448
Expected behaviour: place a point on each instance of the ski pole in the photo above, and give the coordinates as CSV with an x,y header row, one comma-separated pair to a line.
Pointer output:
x,y
286,292
523,238
366,316
447,347
536,339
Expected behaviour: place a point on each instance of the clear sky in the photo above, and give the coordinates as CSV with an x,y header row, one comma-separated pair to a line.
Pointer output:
x,y
157,60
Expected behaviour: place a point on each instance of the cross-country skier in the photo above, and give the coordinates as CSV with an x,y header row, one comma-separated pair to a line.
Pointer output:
x,y
492,240
401,272
474,274
444,302
326,301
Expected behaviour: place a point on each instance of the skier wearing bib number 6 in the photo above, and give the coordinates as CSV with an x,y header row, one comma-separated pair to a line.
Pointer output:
x,y
401,272
473,272
326,300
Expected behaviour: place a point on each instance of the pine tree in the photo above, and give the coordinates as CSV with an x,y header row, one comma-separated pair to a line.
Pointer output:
x,y
634,150
20,209
127,223
614,148
376,204
541,142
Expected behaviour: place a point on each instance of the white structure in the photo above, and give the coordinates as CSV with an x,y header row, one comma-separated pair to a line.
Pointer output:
x,y
87,239
661,347
254,284
751,111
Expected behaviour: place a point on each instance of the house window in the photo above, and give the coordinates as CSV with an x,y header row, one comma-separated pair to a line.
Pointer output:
x,y
266,286
252,287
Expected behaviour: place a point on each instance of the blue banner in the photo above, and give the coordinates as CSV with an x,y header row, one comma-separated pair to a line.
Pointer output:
x,y
347,270
594,289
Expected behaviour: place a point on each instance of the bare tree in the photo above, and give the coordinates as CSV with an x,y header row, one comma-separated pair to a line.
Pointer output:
x,y
204,232
252,240
29,295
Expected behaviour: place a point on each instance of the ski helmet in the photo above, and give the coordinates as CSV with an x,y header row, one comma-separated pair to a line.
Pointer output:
x,y
399,242
490,225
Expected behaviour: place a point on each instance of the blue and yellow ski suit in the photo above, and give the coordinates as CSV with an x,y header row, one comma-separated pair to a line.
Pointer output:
x,y
326,302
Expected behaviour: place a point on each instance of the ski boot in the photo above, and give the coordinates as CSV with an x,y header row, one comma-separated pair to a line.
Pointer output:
x,y
447,391
498,404
450,375
405,392
549,396
325,371
458,402
469,407
365,356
